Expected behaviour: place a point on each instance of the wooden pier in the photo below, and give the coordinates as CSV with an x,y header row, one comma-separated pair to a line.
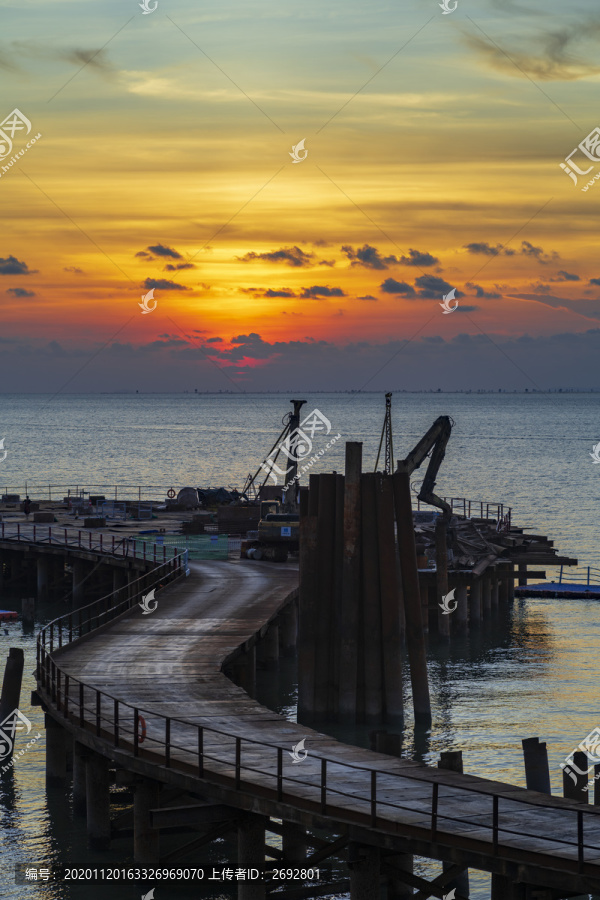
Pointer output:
x,y
106,667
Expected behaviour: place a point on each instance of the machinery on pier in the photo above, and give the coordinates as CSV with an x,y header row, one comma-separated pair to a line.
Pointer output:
x,y
433,442
286,443
279,524
386,435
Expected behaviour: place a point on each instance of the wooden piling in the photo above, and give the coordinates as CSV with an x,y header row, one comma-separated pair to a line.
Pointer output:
x,y
80,753
452,761
11,690
307,600
486,597
336,674
293,842
97,801
251,854
145,838
460,616
288,630
56,752
383,741
28,610
80,570
412,598
269,648
575,779
324,702
495,589
503,888
371,608
389,597
475,603
441,561
43,574
430,608
365,866
511,583
349,632
537,772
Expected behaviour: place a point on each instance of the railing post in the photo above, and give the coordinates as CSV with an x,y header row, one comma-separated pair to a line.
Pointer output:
x,y
66,704
495,824
34,533
101,550
51,636
66,538
580,839
434,808
560,576
200,751
238,762
81,709
50,534
98,713
167,743
70,627
116,723
279,773
374,799
57,692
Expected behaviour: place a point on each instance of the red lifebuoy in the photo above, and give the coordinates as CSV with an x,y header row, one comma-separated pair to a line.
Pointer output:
x,y
141,729
170,493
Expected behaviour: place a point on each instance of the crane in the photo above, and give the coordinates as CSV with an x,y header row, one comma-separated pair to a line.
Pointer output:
x,y
434,442
386,435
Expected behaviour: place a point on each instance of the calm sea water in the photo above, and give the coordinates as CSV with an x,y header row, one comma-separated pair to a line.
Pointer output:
x,y
535,673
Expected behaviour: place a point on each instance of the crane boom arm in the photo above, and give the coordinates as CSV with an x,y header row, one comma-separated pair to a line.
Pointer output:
x,y
434,440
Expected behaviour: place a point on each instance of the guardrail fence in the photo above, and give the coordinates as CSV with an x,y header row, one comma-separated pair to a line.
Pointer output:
x,y
126,727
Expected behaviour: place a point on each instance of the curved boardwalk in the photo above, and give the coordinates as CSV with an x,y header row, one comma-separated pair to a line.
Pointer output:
x,y
168,664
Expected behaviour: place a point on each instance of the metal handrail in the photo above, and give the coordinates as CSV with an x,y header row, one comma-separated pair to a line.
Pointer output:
x,y
133,491
81,539
487,509
590,575
77,490
117,729
49,678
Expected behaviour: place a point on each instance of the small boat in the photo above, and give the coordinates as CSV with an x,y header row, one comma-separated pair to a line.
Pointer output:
x,y
7,615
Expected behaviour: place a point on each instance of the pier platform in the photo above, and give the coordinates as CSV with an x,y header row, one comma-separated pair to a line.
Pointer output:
x,y
560,589
205,735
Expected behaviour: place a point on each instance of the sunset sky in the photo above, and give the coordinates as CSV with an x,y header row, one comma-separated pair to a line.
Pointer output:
x,y
434,147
